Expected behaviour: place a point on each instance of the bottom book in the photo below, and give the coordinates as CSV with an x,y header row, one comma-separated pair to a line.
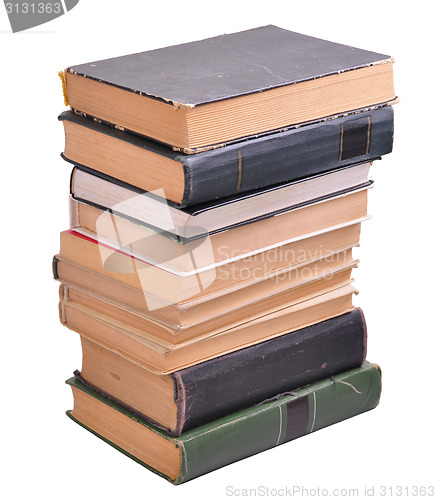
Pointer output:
x,y
240,435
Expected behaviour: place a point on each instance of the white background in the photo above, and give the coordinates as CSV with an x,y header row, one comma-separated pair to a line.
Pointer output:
x,y
47,455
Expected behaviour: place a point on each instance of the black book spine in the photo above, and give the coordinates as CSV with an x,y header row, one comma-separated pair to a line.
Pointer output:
x,y
243,378
55,267
285,156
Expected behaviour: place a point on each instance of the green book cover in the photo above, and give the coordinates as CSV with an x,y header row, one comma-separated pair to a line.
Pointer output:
x,y
232,438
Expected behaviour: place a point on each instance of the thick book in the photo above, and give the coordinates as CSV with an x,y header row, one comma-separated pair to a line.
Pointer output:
x,y
231,438
209,92
210,390
159,356
185,225
234,284
243,167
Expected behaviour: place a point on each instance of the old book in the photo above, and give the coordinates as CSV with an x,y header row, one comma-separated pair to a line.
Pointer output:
x,y
228,439
154,212
189,258
227,309
159,356
83,266
216,321
164,282
210,390
212,91
190,180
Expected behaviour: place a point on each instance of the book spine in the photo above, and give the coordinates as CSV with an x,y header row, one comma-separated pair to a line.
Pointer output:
x,y
221,386
260,428
281,157
55,268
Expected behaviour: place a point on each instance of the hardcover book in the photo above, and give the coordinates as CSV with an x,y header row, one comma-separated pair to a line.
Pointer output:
x,y
189,180
159,356
184,225
231,438
212,91
117,277
229,309
260,275
188,259
210,390
163,280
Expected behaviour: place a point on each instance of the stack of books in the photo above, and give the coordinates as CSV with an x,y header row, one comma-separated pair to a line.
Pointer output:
x,y
217,193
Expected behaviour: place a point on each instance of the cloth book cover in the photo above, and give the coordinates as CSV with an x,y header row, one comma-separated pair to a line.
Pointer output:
x,y
232,438
210,390
206,93
237,168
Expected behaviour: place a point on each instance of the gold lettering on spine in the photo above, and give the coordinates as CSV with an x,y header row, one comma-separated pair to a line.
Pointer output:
x,y
238,185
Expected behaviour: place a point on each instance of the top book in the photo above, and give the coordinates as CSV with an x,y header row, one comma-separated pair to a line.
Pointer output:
x,y
206,93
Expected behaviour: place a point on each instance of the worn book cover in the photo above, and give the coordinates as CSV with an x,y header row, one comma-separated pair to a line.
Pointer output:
x,y
206,391
232,438
206,93
240,167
